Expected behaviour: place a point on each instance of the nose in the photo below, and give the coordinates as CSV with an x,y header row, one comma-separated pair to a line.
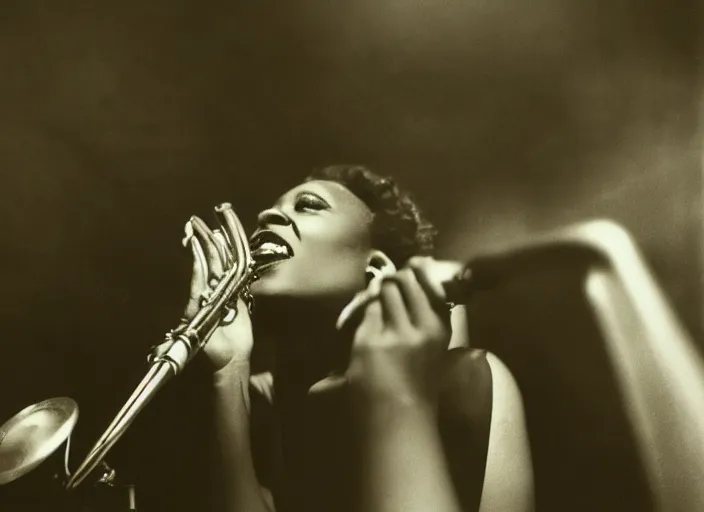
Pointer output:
x,y
273,216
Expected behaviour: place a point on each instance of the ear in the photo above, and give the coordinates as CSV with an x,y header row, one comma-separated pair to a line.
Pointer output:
x,y
379,264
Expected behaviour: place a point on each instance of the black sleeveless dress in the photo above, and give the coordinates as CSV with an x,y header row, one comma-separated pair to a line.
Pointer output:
x,y
316,472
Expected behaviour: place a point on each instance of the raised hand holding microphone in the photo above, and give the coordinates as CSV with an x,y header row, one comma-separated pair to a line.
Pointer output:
x,y
231,342
451,280
398,345
228,349
393,382
402,326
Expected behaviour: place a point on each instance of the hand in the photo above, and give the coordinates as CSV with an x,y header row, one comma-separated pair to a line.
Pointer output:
x,y
437,271
229,344
403,333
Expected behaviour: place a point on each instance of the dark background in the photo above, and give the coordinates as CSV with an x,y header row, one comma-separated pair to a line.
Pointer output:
x,y
505,119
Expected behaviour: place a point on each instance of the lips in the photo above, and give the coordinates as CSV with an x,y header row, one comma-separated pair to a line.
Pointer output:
x,y
268,247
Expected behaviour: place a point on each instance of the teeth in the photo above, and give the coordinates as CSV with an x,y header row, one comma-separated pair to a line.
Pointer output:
x,y
268,248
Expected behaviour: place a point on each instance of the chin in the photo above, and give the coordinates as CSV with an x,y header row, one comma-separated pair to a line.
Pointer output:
x,y
274,284
263,286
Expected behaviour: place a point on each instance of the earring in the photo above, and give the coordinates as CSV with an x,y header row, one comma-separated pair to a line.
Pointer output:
x,y
373,273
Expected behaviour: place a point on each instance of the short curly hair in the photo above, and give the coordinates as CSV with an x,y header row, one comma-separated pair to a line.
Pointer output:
x,y
399,227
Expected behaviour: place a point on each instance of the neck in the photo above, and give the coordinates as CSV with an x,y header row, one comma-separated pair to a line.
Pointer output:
x,y
301,335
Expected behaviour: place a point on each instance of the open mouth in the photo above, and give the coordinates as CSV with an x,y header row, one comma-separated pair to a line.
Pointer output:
x,y
269,248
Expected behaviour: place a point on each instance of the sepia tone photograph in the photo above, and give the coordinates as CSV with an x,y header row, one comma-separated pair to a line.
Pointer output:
x,y
363,256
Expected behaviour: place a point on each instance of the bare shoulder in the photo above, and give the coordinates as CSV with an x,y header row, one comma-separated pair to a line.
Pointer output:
x,y
508,483
508,394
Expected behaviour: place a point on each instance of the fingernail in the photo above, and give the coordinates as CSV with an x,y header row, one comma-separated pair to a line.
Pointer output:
x,y
347,311
342,319
188,230
196,222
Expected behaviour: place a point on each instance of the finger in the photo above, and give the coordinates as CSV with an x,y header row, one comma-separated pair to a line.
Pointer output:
x,y
416,303
356,308
328,385
210,247
395,313
426,276
187,234
425,272
263,383
373,318
353,309
199,279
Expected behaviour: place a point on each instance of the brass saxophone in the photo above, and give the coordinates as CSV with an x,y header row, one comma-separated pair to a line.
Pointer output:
x,y
184,342
218,305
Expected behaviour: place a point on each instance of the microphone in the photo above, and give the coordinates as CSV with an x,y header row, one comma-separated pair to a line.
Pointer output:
x,y
472,277
477,275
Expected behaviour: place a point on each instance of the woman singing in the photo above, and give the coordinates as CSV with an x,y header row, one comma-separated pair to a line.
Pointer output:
x,y
420,423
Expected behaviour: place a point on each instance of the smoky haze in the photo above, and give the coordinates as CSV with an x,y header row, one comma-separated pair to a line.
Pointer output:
x,y
119,121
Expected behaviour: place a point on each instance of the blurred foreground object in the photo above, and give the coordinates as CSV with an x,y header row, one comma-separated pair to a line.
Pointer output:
x,y
613,385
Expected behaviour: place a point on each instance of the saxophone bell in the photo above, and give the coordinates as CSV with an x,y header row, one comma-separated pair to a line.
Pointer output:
x,y
25,444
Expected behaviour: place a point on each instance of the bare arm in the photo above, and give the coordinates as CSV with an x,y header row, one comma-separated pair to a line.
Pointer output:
x,y
405,466
394,379
228,350
508,480
241,490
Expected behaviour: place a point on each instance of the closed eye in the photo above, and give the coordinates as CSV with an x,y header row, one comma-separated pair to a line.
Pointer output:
x,y
309,201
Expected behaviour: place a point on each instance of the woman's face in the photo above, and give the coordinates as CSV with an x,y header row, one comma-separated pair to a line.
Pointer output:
x,y
327,229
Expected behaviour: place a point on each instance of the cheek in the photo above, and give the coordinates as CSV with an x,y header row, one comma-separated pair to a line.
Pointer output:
x,y
317,271
345,264
348,270
333,266
330,261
